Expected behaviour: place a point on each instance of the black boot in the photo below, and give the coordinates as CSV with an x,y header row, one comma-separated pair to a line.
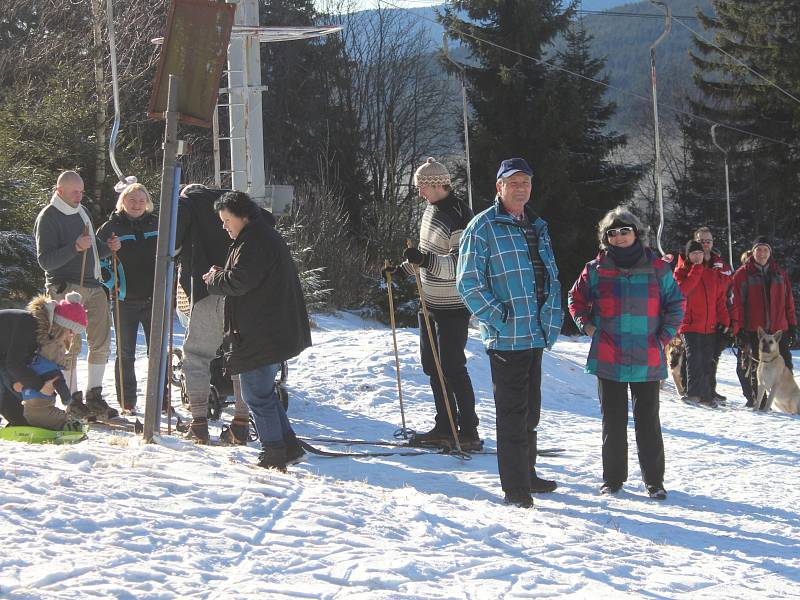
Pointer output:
x,y
294,451
76,408
538,485
435,438
198,431
98,406
237,434
273,458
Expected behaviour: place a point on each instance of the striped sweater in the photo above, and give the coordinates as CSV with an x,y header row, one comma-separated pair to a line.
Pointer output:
x,y
439,236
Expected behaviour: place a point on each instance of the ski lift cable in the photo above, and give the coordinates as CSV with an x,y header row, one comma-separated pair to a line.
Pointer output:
x,y
739,62
656,138
623,91
112,140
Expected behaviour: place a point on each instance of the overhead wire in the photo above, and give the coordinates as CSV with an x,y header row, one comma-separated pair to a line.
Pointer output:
x,y
739,62
624,91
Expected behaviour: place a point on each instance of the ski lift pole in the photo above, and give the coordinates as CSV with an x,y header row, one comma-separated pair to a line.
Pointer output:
x,y
657,166
112,140
403,431
435,352
463,79
727,191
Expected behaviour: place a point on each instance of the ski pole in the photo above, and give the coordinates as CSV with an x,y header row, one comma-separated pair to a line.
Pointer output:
x,y
120,372
403,431
434,350
73,375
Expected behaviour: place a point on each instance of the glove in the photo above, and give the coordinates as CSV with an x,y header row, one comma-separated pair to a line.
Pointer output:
x,y
791,335
386,271
742,339
415,257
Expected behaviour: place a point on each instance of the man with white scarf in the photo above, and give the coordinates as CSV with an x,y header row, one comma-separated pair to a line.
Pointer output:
x,y
64,236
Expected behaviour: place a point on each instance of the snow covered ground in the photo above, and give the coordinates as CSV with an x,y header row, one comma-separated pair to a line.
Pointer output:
x,y
113,517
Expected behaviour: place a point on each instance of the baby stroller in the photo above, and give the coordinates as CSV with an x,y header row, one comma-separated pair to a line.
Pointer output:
x,y
220,393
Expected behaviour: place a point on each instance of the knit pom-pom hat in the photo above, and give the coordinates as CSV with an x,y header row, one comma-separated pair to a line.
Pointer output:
x,y
70,313
432,173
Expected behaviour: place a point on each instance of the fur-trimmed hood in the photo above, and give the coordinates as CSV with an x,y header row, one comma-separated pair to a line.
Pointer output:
x,y
50,345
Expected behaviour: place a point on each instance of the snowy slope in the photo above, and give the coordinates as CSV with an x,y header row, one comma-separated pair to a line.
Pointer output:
x,y
113,517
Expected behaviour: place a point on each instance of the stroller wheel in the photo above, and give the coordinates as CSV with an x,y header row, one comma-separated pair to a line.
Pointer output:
x,y
283,395
214,404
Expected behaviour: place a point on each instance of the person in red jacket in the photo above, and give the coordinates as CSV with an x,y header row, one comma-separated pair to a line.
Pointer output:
x,y
762,297
705,312
712,258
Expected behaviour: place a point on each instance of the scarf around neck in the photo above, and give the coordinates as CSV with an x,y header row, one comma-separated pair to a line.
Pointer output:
x,y
626,257
61,206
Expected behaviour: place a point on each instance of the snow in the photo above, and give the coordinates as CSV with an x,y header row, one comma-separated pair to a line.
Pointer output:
x,y
114,517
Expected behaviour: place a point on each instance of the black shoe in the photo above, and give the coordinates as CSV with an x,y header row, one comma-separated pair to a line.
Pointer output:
x,y
710,402
294,452
273,458
198,431
236,434
720,398
610,488
657,492
98,406
520,499
76,408
541,486
437,438
470,441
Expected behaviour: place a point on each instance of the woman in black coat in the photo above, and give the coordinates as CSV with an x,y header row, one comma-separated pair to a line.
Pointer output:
x,y
266,321
135,224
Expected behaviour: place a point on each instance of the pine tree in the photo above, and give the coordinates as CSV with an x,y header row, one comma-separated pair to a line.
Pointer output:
x,y
555,120
764,173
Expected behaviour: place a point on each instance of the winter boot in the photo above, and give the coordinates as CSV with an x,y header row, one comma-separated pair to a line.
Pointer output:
x,y
469,440
608,489
657,492
98,406
435,438
520,498
77,409
237,434
538,485
198,431
273,458
294,451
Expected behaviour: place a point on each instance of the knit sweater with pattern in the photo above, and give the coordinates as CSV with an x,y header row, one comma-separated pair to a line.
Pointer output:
x,y
443,222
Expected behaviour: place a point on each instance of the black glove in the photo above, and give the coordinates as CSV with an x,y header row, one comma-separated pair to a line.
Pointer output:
x,y
742,338
415,257
791,335
386,271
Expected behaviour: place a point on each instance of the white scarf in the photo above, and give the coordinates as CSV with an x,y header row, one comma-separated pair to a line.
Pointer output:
x,y
66,209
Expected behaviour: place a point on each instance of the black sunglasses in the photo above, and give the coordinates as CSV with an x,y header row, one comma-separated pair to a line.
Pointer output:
x,y
612,233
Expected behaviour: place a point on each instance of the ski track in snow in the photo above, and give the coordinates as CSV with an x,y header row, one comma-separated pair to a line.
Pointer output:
x,y
114,517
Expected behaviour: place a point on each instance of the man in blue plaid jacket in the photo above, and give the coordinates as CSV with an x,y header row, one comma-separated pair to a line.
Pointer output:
x,y
508,278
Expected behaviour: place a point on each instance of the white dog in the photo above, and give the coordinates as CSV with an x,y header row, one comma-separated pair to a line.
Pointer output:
x,y
774,377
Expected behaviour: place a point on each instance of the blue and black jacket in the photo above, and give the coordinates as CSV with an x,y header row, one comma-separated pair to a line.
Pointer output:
x,y
136,259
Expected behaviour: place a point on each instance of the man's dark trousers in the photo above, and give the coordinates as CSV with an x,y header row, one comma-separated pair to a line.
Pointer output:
x,y
516,380
450,335
700,348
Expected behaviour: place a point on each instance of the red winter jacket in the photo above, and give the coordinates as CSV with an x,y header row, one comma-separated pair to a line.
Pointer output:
x,y
705,291
750,309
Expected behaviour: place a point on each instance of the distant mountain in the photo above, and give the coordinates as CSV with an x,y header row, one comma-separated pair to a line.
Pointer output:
x,y
624,40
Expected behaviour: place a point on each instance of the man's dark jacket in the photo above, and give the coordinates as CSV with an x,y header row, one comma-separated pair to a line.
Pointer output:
x,y
265,314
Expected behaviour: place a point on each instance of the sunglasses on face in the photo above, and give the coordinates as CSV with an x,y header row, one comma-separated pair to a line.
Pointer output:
x,y
612,233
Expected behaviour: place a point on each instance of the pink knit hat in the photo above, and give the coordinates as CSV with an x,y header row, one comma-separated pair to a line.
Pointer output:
x,y
70,313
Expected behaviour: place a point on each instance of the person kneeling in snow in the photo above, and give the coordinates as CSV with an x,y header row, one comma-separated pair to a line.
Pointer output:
x,y
39,407
43,331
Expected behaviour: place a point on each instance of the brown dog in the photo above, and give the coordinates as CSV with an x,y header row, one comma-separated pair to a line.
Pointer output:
x,y
774,377
676,356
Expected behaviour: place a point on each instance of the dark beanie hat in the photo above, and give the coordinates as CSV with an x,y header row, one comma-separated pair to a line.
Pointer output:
x,y
693,246
762,240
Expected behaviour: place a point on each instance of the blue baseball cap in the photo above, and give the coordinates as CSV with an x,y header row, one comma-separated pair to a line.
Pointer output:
x,y
514,165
